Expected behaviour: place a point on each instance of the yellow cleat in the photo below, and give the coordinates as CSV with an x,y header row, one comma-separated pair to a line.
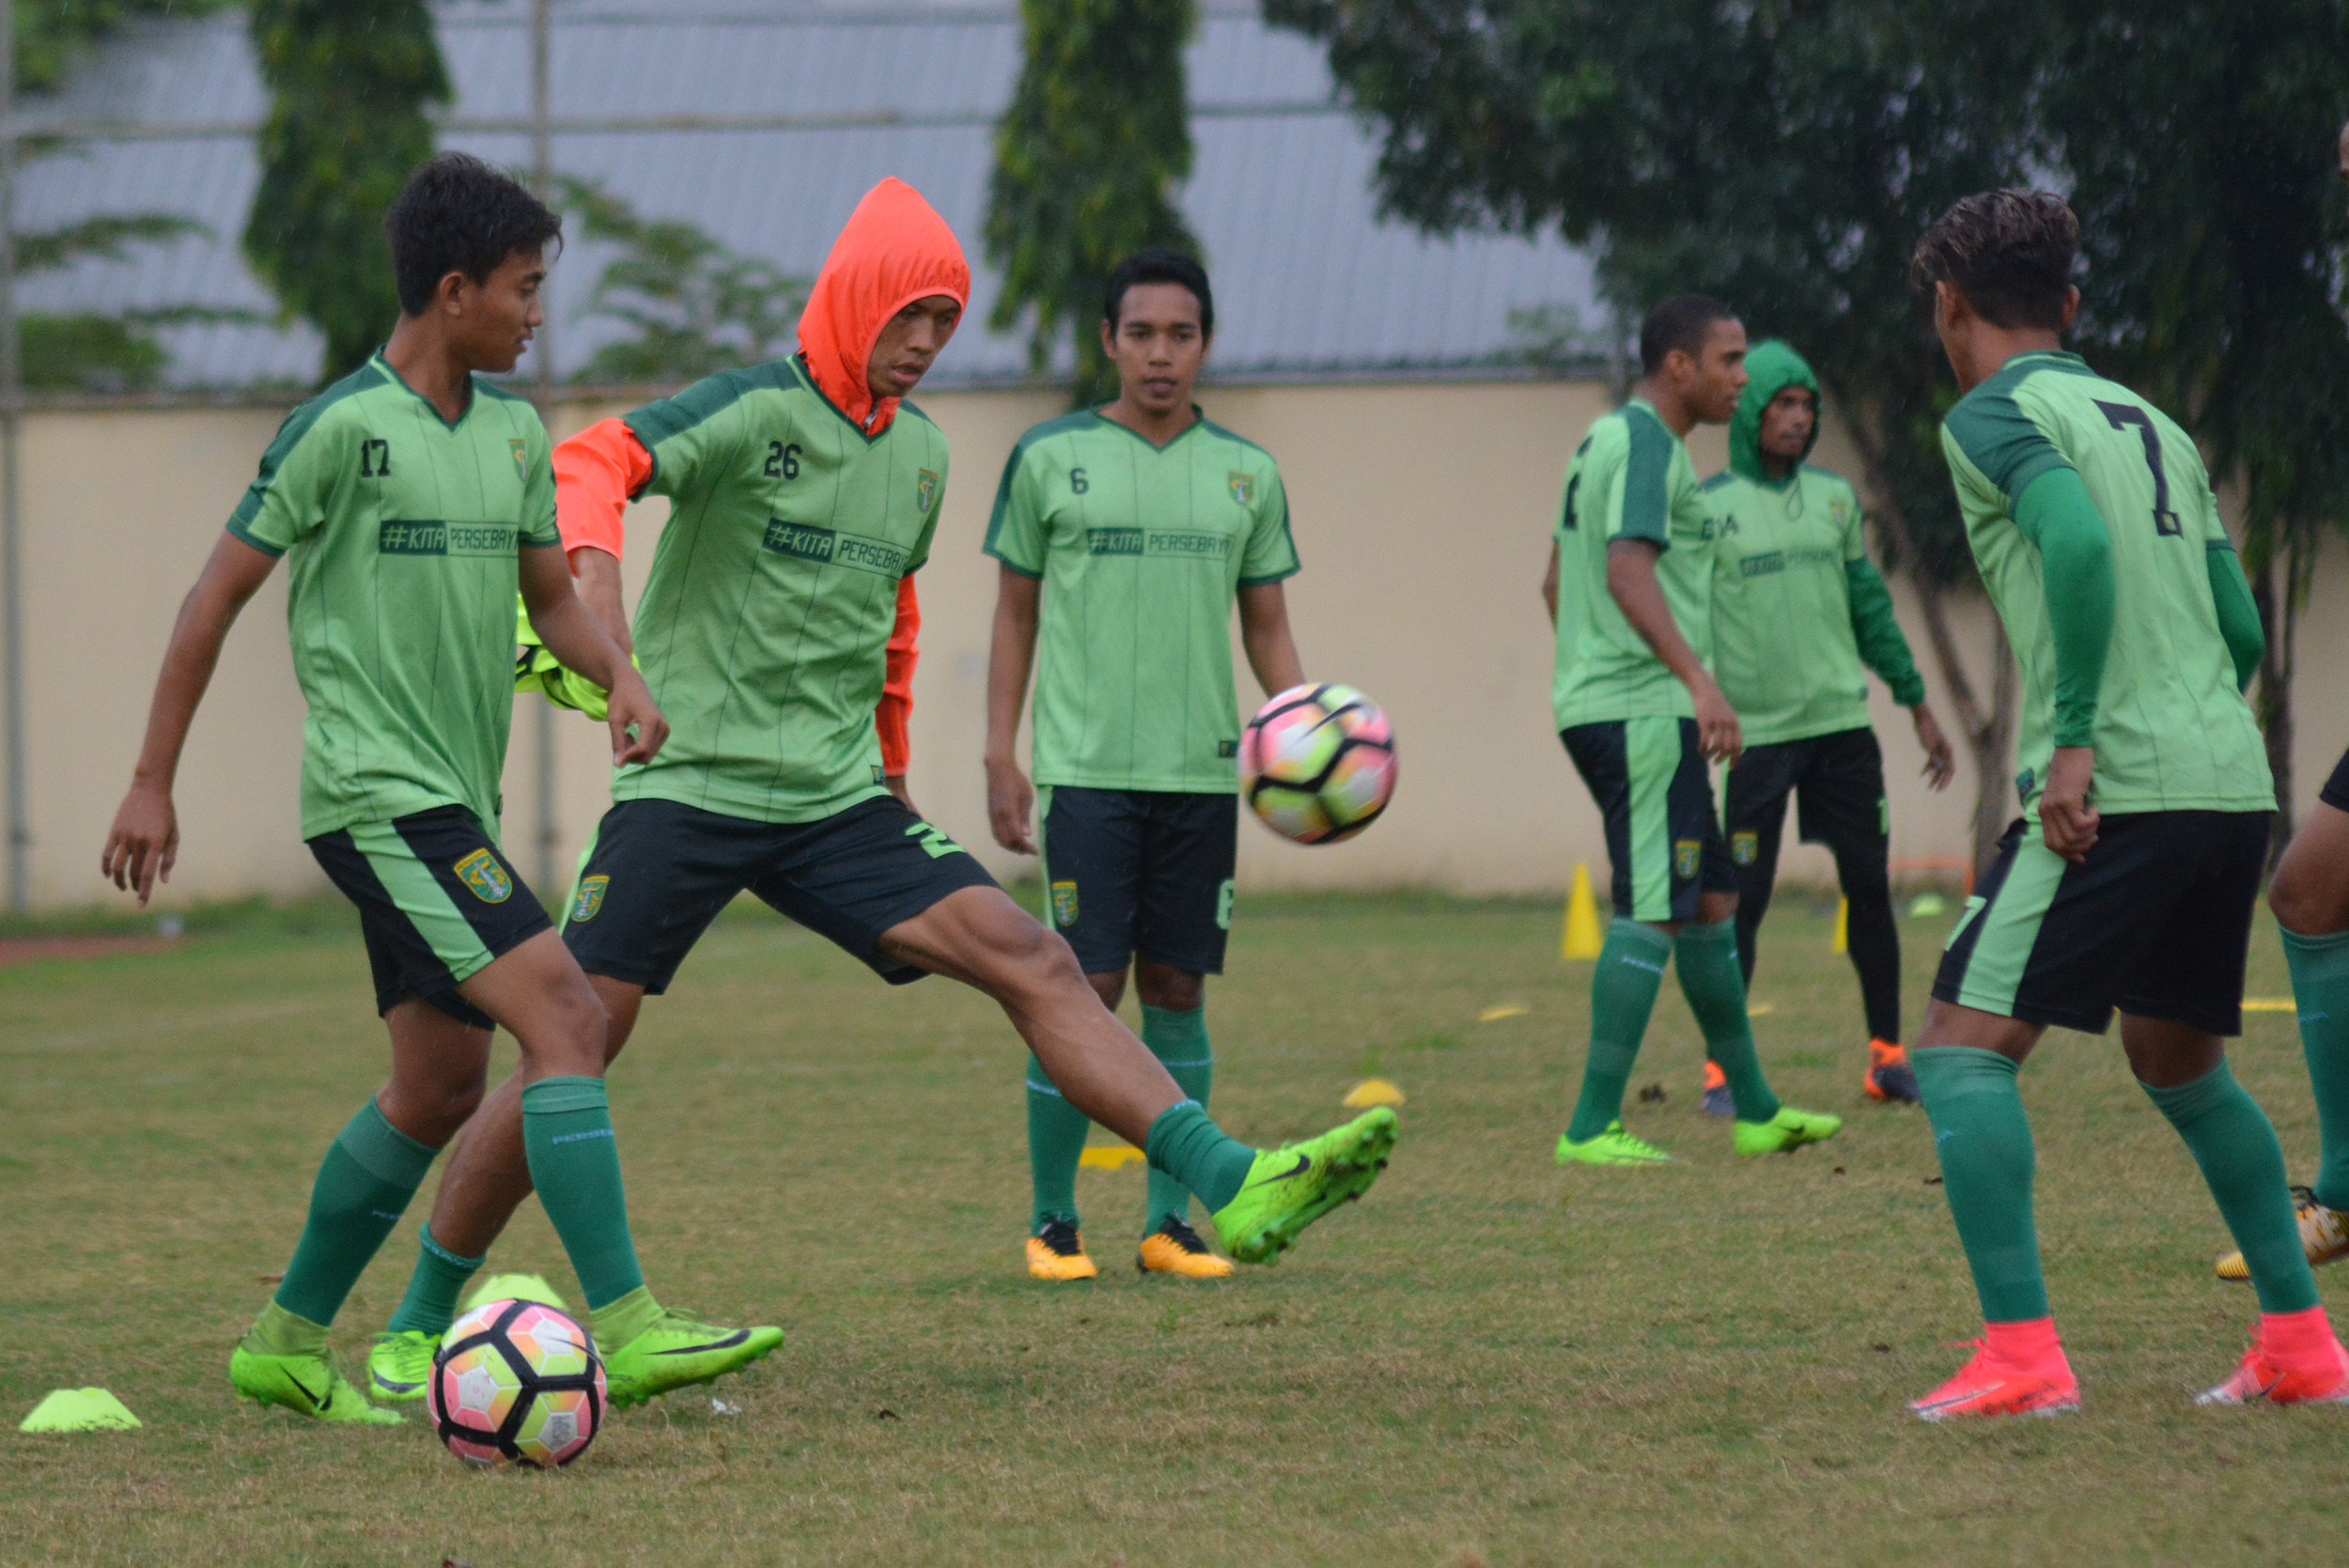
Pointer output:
x,y
1057,1252
2324,1235
1175,1248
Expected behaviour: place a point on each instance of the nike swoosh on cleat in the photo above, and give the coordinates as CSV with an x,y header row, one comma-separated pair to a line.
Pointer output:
x,y
393,1384
727,1344
1305,1163
316,1404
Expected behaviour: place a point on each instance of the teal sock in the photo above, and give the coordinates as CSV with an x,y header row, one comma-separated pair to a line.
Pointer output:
x,y
1179,1040
1988,1163
575,1165
1185,1144
2234,1144
370,1172
1706,959
431,1304
1623,993
2320,986
1056,1141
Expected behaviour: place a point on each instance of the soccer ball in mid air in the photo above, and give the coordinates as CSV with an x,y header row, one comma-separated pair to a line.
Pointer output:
x,y
516,1382
1317,763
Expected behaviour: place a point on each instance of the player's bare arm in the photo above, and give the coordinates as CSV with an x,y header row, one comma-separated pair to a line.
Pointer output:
x,y
145,839
1549,584
572,633
596,578
1010,798
1631,581
1263,633
1940,759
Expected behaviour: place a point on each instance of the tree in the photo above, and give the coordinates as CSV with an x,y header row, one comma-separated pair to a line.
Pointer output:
x,y
350,81
1086,161
694,306
52,34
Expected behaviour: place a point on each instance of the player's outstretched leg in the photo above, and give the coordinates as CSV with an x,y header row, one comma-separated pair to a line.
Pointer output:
x,y
1630,970
1259,1202
1704,956
364,1185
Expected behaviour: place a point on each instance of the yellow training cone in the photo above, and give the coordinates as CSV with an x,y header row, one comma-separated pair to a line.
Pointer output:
x,y
1843,927
79,1410
1502,1010
1370,1092
2270,1004
1582,936
1110,1157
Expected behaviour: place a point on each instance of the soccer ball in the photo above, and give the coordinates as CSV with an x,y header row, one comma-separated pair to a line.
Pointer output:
x,y
1317,763
516,1382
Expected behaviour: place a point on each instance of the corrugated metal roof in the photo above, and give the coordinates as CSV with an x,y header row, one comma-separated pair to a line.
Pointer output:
x,y
1307,280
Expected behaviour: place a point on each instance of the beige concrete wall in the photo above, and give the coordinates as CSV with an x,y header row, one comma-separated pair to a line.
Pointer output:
x,y
1422,513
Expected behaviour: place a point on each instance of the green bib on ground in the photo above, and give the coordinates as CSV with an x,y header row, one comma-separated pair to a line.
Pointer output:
x,y
1629,479
402,531
2173,733
1140,549
763,629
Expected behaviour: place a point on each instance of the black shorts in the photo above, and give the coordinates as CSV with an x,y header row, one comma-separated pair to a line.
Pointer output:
x,y
1838,784
2156,922
437,902
1663,842
2336,791
1140,871
658,871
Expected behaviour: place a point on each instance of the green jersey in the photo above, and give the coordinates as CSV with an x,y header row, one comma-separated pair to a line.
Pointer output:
x,y
1629,479
764,627
2171,731
1140,549
403,530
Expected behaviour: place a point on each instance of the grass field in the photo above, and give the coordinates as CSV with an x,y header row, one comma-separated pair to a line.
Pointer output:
x,y
1489,1361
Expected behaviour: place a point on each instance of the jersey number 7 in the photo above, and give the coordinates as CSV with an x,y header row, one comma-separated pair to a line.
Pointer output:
x,y
2121,416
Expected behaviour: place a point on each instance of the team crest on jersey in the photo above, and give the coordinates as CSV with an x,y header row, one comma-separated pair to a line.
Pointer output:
x,y
928,491
588,903
1685,853
1064,903
487,880
522,463
1243,488
1744,849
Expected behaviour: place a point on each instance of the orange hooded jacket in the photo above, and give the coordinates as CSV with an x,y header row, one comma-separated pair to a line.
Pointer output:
x,y
893,250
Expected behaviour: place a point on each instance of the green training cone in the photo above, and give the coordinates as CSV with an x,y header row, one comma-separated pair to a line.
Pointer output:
x,y
79,1410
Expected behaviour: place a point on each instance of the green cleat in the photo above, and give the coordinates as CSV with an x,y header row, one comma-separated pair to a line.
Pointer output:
x,y
515,1287
1291,1187
309,1386
399,1364
678,1351
1785,1132
1613,1147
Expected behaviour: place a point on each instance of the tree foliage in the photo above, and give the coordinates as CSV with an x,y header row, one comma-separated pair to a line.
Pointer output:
x,y
693,306
1087,159
52,34
350,81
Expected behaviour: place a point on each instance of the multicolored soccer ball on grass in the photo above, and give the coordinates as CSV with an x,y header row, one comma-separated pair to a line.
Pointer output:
x,y
517,1383
1317,763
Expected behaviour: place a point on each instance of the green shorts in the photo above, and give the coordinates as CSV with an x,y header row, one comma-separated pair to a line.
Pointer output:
x,y
437,902
1663,837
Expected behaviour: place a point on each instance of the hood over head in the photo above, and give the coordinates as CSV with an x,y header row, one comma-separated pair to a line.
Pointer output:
x,y
893,250
1771,367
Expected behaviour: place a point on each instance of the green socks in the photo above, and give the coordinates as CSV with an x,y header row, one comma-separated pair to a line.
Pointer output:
x,y
1179,1040
2320,984
575,1165
1198,1153
1988,1163
1623,994
2234,1144
370,1172
431,1304
1056,1140
1706,959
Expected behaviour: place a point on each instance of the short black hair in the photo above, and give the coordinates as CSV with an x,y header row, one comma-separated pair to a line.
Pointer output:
x,y
1682,323
1158,265
457,214
2009,252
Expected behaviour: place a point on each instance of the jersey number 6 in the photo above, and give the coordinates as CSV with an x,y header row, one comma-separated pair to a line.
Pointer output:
x,y
2121,416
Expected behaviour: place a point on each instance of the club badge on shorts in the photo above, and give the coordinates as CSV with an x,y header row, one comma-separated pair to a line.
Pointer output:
x,y
1744,847
487,880
1685,853
589,901
1064,903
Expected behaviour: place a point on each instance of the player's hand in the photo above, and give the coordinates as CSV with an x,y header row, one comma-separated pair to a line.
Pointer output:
x,y
1940,762
632,707
2067,820
143,842
1718,736
896,785
1010,805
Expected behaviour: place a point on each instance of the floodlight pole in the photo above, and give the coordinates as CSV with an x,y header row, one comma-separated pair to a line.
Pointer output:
x,y
542,180
11,561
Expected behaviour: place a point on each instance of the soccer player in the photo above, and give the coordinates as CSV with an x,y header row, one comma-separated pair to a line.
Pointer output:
x,y
1629,590
803,491
1797,609
2129,883
1126,534
412,497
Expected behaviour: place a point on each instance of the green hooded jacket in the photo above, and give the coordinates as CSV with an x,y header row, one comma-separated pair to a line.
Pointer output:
x,y
1798,607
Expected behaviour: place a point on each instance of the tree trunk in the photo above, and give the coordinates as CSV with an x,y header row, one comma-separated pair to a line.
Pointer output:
x,y
2280,610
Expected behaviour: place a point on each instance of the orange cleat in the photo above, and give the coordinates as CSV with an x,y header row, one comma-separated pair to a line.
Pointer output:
x,y
1888,1076
2259,1378
1989,1386
1057,1253
1717,1100
1175,1248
